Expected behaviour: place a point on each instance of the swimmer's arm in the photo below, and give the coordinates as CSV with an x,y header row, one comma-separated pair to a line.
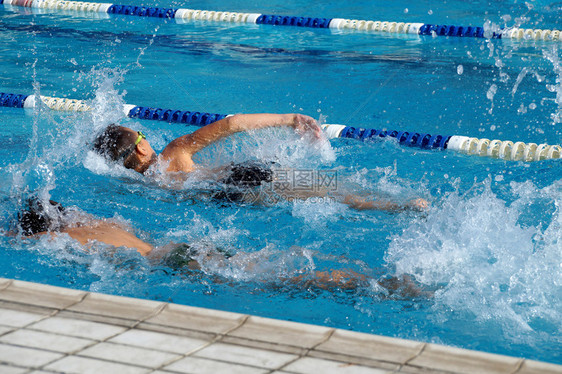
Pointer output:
x,y
203,137
360,203
160,252
403,286
300,123
330,280
109,233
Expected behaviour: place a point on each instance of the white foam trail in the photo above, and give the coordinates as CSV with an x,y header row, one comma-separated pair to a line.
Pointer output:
x,y
108,103
519,79
99,165
552,56
488,262
269,265
317,211
492,90
276,144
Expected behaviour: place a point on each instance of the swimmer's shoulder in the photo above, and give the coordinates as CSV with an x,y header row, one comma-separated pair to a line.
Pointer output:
x,y
174,158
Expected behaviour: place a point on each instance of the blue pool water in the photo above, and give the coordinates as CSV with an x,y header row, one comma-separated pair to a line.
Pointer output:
x,y
489,246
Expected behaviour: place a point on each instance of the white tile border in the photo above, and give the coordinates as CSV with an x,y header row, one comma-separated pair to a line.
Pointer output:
x,y
198,319
197,365
26,357
123,354
333,346
457,360
159,341
255,357
280,332
41,294
85,365
116,306
77,328
375,347
42,340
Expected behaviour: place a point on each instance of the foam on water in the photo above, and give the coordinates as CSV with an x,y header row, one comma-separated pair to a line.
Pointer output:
x,y
491,254
107,105
277,144
487,258
552,55
318,210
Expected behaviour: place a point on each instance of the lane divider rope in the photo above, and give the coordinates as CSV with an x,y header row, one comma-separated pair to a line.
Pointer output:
x,y
506,150
132,111
189,15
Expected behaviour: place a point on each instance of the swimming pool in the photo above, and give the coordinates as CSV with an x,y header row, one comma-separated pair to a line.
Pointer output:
x,y
489,246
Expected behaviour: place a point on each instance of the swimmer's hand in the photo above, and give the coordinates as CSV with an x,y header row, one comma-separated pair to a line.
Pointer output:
x,y
306,125
417,204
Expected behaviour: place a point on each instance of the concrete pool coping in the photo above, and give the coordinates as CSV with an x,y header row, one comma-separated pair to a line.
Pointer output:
x,y
46,329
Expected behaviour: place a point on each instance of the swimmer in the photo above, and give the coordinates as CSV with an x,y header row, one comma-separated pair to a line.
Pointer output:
x,y
52,219
132,149
39,219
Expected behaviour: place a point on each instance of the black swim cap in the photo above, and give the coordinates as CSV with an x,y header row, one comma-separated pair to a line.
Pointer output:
x,y
35,218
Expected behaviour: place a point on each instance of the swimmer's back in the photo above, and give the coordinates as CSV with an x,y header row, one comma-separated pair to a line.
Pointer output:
x,y
107,233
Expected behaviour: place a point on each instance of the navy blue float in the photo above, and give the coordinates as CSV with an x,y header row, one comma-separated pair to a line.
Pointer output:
x,y
177,116
412,139
142,11
318,23
12,100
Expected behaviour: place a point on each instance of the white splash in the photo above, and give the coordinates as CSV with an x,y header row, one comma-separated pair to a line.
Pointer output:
x,y
552,56
490,95
488,260
108,102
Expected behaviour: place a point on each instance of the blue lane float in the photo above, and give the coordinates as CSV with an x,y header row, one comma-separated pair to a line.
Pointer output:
x,y
317,23
503,149
177,116
190,15
412,139
12,100
141,11
507,150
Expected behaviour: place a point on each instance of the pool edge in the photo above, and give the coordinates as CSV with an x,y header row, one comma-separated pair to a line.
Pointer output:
x,y
221,339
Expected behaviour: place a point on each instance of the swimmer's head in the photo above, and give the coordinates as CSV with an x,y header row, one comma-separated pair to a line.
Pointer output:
x,y
122,144
37,218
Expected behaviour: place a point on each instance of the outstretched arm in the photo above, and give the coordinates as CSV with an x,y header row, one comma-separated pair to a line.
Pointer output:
x,y
98,230
108,233
188,145
361,203
402,286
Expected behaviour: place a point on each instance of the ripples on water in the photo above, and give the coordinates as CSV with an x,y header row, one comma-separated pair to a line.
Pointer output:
x,y
488,248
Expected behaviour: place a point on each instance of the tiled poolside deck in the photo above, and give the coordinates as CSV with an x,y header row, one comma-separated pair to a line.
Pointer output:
x,y
45,329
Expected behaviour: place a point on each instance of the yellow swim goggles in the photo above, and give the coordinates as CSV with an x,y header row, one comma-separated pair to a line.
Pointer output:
x,y
126,153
